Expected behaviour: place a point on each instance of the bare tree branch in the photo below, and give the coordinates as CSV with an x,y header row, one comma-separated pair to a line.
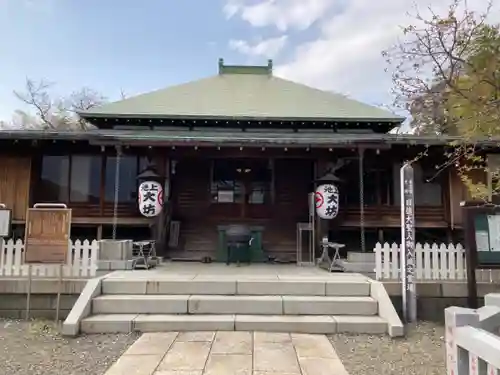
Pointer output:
x,y
55,113
446,70
36,95
83,100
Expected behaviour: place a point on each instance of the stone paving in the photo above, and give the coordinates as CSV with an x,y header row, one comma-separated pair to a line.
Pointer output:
x,y
221,353
254,271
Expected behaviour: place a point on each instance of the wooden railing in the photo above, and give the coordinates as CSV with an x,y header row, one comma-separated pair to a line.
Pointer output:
x,y
95,210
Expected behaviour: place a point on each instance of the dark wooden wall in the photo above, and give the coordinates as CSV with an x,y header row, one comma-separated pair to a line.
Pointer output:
x,y
199,217
191,199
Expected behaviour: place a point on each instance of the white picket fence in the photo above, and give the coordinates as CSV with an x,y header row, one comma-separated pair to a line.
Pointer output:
x,y
81,261
433,262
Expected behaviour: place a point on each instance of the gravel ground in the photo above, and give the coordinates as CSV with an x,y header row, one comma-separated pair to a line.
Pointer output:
x,y
36,348
420,353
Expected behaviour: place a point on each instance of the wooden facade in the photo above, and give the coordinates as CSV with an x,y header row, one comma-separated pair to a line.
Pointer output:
x,y
269,188
15,174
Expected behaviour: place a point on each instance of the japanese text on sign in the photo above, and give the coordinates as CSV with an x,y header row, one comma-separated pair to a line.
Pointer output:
x,y
150,198
327,201
408,244
409,231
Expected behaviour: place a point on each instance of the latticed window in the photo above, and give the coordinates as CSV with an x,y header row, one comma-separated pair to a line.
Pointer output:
x,y
240,181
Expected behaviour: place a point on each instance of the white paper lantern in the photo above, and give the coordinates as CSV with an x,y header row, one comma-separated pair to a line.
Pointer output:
x,y
150,198
326,199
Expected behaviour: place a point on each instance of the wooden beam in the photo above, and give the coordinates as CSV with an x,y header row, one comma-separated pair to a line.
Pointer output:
x,y
102,190
139,221
91,220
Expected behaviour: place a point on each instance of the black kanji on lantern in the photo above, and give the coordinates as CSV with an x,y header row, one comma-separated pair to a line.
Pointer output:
x,y
149,187
149,196
330,210
333,199
329,189
149,209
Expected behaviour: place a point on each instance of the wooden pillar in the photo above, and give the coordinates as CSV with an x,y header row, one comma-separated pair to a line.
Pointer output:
x,y
161,223
361,153
381,235
322,225
35,176
102,188
449,235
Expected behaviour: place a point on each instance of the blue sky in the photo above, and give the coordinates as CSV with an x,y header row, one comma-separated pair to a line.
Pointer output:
x,y
138,46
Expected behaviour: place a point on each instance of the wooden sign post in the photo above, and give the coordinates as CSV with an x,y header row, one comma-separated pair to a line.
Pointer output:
x,y
47,241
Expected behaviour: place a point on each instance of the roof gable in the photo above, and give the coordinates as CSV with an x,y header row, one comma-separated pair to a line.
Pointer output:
x,y
243,92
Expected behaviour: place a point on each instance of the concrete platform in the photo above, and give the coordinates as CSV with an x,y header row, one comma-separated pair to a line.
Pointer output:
x,y
221,353
196,270
219,279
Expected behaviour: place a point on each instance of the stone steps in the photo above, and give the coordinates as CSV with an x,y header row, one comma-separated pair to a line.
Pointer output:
x,y
244,300
341,286
319,324
235,304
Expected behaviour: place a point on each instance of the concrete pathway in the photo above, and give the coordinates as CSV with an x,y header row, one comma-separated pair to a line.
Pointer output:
x,y
221,353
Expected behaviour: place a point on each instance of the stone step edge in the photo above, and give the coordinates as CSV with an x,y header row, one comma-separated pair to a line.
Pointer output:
x,y
314,324
239,287
247,305
170,297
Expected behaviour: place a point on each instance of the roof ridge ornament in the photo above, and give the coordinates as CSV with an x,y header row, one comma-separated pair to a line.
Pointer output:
x,y
246,69
221,65
270,66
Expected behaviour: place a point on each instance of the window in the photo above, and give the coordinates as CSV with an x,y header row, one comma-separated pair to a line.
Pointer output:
x,y
54,180
235,181
374,185
77,178
127,192
259,187
85,181
428,191
67,178
225,185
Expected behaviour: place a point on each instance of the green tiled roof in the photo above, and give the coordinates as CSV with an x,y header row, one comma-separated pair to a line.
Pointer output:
x,y
243,92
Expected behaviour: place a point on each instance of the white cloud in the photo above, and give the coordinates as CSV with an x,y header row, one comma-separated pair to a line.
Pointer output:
x,y
346,56
284,14
231,8
269,48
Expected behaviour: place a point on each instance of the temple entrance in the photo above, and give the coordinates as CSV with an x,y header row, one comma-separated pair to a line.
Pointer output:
x,y
245,184
268,194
